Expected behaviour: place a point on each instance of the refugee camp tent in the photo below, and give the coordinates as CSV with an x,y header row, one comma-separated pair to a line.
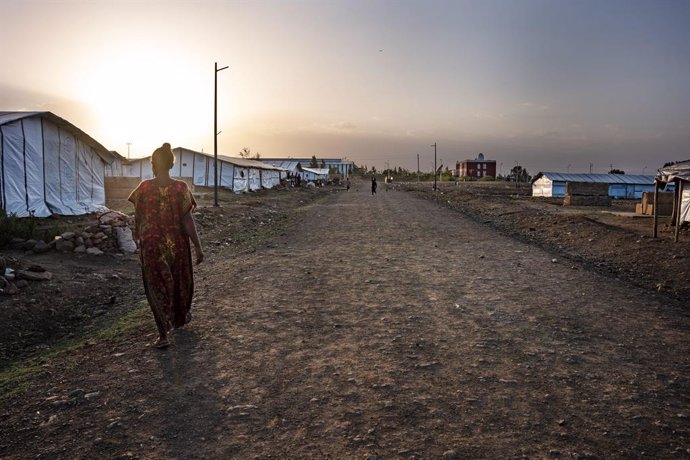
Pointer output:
x,y
553,184
288,165
236,174
49,166
342,166
314,174
678,174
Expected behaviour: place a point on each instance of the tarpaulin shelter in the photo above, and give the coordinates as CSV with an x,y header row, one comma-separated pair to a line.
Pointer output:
x,y
49,166
314,174
678,174
339,165
236,174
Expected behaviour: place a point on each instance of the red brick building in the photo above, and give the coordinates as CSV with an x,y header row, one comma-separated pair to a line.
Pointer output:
x,y
478,167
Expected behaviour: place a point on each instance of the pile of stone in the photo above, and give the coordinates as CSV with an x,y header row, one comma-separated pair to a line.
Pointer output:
x,y
111,234
12,280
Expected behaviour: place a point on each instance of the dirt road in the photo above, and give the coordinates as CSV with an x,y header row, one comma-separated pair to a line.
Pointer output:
x,y
361,332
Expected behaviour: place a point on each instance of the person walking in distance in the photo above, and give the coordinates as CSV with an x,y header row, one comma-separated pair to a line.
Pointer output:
x,y
163,230
373,185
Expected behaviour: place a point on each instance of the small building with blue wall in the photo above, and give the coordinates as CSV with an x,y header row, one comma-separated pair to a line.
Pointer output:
x,y
623,186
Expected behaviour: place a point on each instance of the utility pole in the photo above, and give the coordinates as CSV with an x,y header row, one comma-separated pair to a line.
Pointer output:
x,y
215,133
417,167
434,146
591,166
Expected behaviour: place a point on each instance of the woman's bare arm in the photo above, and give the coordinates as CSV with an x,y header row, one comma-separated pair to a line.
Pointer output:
x,y
190,230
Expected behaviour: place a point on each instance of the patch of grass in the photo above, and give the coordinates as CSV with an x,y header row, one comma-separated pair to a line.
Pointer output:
x,y
27,228
17,379
12,226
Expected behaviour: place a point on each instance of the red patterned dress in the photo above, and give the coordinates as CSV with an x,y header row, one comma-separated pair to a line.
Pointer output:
x,y
166,257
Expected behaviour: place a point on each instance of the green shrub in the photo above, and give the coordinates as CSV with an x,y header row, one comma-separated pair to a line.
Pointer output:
x,y
487,179
15,227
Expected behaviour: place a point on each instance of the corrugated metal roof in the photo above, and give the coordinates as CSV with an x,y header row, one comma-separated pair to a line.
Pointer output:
x,y
680,169
597,178
101,151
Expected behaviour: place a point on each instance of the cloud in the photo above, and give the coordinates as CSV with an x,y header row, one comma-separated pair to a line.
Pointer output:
x,y
488,116
345,126
533,106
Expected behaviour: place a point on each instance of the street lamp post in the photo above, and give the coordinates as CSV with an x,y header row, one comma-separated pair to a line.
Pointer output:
x,y
434,146
215,133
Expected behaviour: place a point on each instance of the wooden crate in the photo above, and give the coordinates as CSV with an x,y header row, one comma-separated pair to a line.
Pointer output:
x,y
664,202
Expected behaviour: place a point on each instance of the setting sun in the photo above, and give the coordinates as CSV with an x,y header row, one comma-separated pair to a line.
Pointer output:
x,y
144,96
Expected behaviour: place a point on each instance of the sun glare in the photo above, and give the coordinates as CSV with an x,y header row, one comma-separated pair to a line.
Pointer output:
x,y
141,96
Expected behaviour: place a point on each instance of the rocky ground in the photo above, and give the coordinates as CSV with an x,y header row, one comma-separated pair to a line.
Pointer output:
x,y
607,239
333,324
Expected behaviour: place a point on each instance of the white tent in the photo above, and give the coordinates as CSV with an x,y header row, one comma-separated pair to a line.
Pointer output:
x,y
49,166
314,174
678,174
236,174
341,165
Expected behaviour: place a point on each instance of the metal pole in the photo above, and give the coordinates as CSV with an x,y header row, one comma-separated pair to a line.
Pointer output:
x,y
656,211
215,133
679,186
434,146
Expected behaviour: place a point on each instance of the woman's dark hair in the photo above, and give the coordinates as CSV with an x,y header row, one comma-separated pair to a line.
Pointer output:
x,y
163,156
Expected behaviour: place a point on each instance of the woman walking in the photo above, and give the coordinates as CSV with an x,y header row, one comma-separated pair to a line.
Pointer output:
x,y
163,230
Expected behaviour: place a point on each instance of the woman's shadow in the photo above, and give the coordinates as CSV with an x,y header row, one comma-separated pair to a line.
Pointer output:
x,y
192,410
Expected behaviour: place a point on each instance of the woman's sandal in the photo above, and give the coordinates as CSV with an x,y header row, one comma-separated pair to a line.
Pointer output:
x,y
161,343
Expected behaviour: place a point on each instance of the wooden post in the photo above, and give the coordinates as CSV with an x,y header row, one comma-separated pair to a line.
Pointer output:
x,y
656,212
679,186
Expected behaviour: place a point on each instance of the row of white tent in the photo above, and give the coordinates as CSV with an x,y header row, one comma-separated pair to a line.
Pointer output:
x,y
49,166
237,174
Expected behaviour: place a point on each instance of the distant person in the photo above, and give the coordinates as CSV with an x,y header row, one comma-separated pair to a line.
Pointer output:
x,y
348,184
373,185
163,230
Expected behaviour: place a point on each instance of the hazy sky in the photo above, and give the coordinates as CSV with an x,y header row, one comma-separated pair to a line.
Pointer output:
x,y
547,84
